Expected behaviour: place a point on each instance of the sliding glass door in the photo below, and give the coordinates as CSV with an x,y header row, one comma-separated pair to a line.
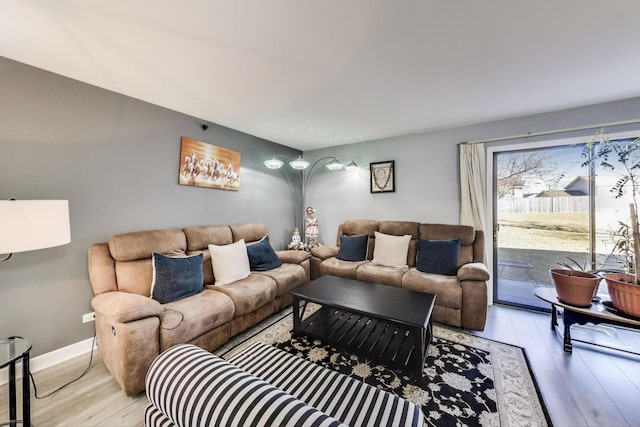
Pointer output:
x,y
553,207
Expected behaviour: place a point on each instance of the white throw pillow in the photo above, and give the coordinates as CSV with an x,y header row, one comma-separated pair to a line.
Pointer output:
x,y
391,251
229,262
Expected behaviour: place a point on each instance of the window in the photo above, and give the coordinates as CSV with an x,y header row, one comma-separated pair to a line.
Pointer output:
x,y
551,206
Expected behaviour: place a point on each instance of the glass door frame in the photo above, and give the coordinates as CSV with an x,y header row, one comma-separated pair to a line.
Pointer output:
x,y
492,203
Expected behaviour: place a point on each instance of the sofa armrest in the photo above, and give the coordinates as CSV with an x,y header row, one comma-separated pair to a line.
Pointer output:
x,y
292,256
324,252
473,271
125,307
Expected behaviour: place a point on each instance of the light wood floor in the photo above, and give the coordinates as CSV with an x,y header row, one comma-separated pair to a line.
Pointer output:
x,y
591,387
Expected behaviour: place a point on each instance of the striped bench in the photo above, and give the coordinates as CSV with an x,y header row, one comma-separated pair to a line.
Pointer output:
x,y
263,386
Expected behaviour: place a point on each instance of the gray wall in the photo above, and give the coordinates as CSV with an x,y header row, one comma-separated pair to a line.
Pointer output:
x,y
116,160
427,167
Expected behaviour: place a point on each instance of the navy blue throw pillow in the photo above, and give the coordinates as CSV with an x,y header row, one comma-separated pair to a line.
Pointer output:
x,y
353,248
438,256
176,278
262,257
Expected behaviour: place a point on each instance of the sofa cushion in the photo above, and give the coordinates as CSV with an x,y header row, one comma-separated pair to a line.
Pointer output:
x,y
262,257
356,227
175,278
132,255
249,232
391,250
187,319
374,273
293,256
353,248
438,256
287,277
446,288
465,233
337,267
135,276
250,293
229,262
141,244
400,228
199,238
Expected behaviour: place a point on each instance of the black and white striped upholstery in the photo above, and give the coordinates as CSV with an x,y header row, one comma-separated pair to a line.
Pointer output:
x,y
346,399
188,386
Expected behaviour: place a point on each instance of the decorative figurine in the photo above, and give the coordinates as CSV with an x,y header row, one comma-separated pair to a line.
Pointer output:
x,y
311,230
296,243
296,236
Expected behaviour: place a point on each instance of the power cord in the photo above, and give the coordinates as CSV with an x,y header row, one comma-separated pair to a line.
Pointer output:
x,y
93,344
33,382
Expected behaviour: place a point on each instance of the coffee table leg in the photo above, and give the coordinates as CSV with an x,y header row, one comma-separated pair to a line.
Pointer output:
x,y
423,350
296,315
424,338
554,317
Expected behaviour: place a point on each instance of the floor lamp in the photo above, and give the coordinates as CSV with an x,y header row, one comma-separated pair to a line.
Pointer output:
x,y
27,225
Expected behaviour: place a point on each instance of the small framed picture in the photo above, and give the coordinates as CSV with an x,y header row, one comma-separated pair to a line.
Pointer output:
x,y
383,177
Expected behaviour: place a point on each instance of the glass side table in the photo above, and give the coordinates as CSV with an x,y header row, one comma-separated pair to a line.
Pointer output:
x,y
12,350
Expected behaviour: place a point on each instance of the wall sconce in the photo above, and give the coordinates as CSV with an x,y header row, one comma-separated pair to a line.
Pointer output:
x,y
27,225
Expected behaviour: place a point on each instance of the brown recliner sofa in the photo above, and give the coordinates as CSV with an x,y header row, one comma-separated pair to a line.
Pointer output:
x,y
132,328
461,300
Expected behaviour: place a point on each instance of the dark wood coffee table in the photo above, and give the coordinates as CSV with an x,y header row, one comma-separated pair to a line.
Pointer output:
x,y
391,325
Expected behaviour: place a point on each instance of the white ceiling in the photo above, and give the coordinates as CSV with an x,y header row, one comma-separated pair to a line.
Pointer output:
x,y
311,74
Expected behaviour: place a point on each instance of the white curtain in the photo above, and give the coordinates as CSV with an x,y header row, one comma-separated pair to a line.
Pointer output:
x,y
473,196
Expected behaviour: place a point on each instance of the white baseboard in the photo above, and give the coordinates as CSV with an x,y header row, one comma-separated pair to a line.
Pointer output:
x,y
52,358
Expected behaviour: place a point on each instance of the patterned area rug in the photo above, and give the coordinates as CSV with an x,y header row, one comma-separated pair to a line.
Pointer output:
x,y
471,381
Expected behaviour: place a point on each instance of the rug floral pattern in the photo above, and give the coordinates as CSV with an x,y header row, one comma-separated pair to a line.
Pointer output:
x,y
471,381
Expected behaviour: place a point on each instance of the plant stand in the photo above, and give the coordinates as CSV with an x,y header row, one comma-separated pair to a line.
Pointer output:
x,y
572,315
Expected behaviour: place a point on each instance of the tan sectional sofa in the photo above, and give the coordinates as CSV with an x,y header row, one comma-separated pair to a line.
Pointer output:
x,y
133,329
461,299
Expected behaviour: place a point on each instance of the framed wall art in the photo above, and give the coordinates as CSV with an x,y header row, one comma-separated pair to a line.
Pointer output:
x,y
207,165
383,177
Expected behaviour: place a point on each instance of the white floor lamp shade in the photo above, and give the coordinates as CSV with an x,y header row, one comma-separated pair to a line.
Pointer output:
x,y
27,225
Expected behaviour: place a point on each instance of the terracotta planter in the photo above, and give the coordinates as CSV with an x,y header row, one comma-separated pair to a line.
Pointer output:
x,y
574,287
625,295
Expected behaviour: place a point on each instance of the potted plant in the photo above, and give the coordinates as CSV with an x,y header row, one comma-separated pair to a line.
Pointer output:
x,y
624,288
574,283
575,287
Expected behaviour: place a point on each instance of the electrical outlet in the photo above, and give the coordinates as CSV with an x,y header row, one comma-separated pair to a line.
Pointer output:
x,y
89,317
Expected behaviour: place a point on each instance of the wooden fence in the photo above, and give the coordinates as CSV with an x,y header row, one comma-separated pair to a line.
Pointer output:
x,y
544,204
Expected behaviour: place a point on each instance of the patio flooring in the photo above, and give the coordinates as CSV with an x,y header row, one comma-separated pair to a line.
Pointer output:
x,y
516,282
